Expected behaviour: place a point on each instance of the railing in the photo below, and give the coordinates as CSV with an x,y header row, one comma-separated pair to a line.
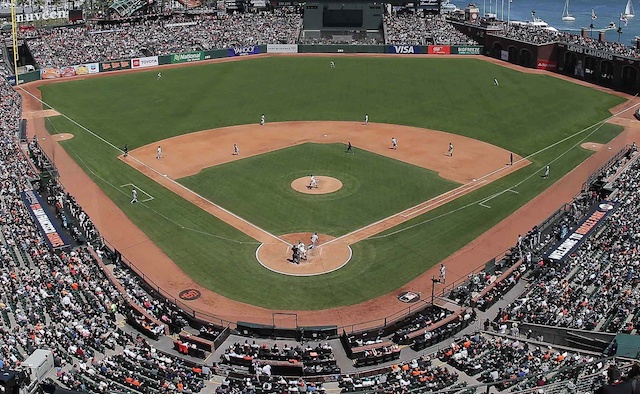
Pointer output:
x,y
196,314
592,178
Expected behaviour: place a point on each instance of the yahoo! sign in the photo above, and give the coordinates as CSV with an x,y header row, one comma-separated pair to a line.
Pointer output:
x,y
242,51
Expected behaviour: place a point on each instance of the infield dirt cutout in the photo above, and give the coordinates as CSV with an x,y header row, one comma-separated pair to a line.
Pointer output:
x,y
278,256
62,136
594,146
325,185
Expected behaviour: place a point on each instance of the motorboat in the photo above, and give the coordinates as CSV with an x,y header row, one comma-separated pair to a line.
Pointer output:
x,y
447,7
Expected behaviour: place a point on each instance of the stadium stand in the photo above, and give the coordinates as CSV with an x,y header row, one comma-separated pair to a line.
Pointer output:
x,y
67,46
596,288
91,317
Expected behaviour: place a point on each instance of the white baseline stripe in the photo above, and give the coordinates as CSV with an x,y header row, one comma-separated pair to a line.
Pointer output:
x,y
156,171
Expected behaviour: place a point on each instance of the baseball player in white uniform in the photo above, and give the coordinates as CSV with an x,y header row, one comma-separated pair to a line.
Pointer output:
x,y
159,153
236,150
366,119
262,120
450,149
314,241
159,75
302,249
134,196
332,65
312,182
394,143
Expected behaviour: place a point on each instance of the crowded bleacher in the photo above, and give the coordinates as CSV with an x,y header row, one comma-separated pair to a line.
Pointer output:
x,y
67,303
68,46
596,289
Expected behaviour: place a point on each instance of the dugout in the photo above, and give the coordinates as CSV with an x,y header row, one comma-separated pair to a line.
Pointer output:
x,y
334,23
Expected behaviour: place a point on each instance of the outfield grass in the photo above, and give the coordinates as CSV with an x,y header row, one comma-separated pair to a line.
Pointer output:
x,y
374,187
525,114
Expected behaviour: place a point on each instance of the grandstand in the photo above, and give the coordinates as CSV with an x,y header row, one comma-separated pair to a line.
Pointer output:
x,y
526,322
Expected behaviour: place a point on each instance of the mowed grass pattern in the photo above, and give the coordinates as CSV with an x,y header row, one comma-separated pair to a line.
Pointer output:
x,y
525,114
374,187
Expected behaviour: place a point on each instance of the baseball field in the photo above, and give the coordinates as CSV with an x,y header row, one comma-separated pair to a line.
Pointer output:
x,y
197,113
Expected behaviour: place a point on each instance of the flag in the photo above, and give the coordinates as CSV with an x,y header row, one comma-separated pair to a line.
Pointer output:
x,y
623,18
593,15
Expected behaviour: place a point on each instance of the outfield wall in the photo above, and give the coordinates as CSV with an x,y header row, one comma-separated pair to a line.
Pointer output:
x,y
197,56
598,67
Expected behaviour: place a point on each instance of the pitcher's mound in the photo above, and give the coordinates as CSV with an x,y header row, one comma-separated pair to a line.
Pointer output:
x,y
325,184
324,258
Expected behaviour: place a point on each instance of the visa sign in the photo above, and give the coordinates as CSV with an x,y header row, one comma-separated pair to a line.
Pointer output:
x,y
404,49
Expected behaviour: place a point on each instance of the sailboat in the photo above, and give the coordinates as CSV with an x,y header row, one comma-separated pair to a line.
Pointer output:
x,y
628,10
566,16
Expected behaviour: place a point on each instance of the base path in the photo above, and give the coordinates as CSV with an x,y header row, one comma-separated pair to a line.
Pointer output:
x,y
474,163
123,234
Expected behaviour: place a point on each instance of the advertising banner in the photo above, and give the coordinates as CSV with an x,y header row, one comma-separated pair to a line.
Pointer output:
x,y
115,66
504,55
243,51
569,244
51,232
187,57
282,48
590,52
439,50
404,49
216,54
466,50
50,73
70,71
550,65
142,62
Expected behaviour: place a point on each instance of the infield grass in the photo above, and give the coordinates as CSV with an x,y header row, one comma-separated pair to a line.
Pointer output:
x,y
374,187
525,114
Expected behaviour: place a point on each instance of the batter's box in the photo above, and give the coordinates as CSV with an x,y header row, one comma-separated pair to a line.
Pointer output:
x,y
149,196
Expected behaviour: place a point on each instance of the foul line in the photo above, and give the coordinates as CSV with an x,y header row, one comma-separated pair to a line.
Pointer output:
x,y
154,170
596,126
441,198
140,189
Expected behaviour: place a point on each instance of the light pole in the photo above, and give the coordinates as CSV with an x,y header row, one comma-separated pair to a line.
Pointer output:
x,y
434,281
591,30
508,15
619,32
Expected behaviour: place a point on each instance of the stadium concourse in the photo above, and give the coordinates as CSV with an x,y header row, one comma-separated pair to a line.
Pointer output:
x,y
108,331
